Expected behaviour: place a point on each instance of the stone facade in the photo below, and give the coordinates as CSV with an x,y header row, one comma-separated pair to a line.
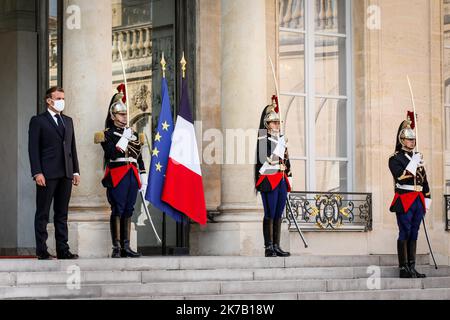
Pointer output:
x,y
233,83
381,60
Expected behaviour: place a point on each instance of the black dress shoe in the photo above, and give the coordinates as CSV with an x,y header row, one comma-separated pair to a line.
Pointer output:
x,y
269,252
67,256
405,273
45,256
280,252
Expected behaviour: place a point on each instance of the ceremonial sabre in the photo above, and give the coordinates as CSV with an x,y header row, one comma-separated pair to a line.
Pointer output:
x,y
128,125
415,115
126,86
416,127
149,217
288,205
289,208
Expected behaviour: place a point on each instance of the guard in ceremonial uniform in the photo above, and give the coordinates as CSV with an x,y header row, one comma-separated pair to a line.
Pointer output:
x,y
412,196
124,174
272,170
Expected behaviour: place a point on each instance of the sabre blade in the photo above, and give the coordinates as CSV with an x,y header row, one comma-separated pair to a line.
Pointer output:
x,y
416,127
275,79
126,86
149,217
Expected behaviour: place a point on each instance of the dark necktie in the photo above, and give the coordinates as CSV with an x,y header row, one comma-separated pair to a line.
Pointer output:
x,y
60,124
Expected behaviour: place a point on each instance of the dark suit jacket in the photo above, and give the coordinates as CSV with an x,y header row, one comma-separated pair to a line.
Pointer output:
x,y
53,155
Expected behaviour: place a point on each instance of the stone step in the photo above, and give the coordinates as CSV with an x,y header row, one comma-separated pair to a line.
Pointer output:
x,y
281,274
223,288
138,277
405,294
60,278
202,263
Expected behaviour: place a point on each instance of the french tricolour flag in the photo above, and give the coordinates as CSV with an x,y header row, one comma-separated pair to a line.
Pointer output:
x,y
183,186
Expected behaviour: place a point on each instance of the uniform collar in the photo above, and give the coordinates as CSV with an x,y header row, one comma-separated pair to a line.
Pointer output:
x,y
407,152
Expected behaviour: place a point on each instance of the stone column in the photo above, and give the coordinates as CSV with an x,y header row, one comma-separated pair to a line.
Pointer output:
x,y
243,96
18,91
87,79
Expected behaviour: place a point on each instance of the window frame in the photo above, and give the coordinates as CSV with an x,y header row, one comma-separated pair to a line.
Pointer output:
x,y
310,95
43,77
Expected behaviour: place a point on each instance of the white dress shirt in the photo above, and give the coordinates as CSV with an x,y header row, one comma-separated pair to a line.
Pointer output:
x,y
54,114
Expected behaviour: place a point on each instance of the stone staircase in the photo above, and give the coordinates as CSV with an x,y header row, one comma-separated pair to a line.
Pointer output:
x,y
209,278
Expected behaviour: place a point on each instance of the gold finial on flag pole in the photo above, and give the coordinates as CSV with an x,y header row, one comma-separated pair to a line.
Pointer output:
x,y
183,63
163,65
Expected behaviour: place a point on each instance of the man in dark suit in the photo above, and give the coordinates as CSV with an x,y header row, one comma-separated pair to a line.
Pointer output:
x,y
54,167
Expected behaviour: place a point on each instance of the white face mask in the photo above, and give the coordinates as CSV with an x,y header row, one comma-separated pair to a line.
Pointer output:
x,y
59,105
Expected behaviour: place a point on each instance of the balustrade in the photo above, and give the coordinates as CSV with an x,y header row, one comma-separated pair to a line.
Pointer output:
x,y
134,42
292,14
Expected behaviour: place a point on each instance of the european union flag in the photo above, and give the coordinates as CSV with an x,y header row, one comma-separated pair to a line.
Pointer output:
x,y
160,157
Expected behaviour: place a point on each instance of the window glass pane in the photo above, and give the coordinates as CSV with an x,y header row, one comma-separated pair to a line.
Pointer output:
x,y
298,169
293,110
330,66
446,9
322,94
331,176
447,180
53,43
331,128
447,130
330,15
292,14
292,62
446,84
447,87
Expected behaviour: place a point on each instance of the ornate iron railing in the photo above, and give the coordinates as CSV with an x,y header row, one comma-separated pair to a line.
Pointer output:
x,y
447,211
326,211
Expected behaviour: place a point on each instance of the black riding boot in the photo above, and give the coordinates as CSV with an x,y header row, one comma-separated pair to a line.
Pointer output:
x,y
114,223
412,246
276,239
402,259
268,236
125,231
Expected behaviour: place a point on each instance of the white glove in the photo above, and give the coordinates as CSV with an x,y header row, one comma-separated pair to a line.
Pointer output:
x,y
280,148
122,145
128,134
144,179
419,157
415,162
428,203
